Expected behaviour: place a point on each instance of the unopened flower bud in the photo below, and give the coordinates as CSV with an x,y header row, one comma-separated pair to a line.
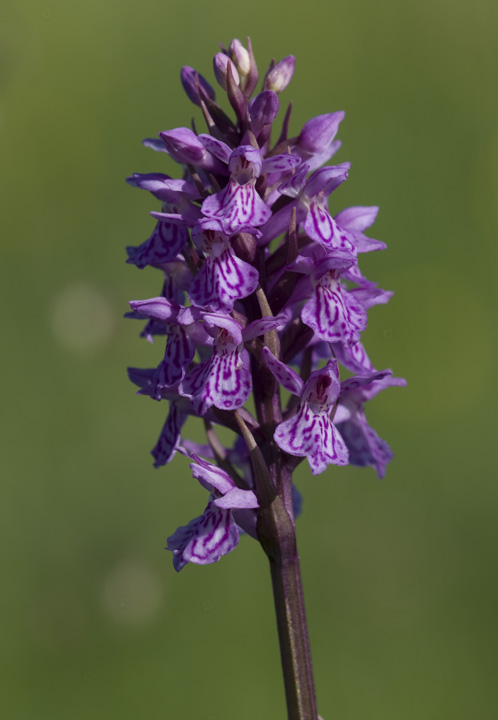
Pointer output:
x,y
220,66
196,86
280,76
263,110
240,57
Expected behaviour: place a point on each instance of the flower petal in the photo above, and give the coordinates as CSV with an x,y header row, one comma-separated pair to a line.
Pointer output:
x,y
222,280
312,435
180,351
333,316
236,498
205,539
365,446
166,241
321,227
167,443
286,376
224,381
237,206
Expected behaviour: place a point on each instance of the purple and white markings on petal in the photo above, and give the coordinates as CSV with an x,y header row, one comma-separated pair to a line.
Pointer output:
x,y
215,533
185,334
319,224
166,241
223,380
310,433
364,445
239,205
354,358
179,353
223,278
167,444
256,328
178,212
334,314
205,539
286,376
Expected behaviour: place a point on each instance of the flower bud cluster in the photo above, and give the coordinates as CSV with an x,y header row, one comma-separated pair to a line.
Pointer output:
x,y
260,291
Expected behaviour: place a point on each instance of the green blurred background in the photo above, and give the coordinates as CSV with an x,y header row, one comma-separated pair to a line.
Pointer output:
x,y
400,575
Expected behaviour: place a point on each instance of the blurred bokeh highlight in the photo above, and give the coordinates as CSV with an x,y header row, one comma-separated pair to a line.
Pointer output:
x,y
400,575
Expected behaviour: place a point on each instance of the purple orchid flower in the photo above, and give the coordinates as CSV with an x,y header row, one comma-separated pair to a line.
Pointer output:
x,y
310,433
334,314
238,205
168,238
214,533
223,277
224,379
185,332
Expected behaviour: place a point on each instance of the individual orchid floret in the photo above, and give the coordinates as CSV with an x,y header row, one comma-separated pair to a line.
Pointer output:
x,y
239,204
223,277
221,61
223,380
280,74
185,333
215,533
364,445
333,313
169,236
196,87
310,433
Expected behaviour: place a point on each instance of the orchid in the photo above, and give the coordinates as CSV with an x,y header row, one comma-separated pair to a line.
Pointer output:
x,y
261,292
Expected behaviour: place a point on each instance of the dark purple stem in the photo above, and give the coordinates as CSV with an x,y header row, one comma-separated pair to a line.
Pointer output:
x,y
277,533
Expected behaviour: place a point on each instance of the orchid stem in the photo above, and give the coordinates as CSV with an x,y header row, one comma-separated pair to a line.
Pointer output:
x,y
281,548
